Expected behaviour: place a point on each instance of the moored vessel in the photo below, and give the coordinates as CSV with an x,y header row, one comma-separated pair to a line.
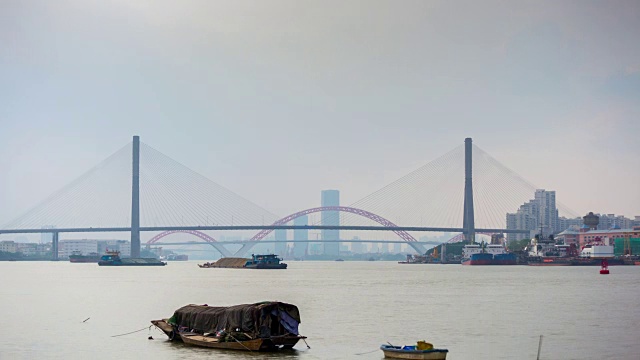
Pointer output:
x,y
264,326
595,251
546,252
487,254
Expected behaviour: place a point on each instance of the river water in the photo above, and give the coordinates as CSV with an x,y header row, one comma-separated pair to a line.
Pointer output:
x,y
347,309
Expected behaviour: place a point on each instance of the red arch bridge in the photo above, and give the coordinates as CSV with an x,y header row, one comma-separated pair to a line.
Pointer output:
x,y
247,245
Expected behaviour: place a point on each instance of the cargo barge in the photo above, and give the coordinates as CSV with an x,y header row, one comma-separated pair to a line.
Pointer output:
x,y
77,257
270,261
112,258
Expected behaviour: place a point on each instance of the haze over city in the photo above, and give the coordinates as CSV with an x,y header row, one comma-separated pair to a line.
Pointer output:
x,y
279,100
319,179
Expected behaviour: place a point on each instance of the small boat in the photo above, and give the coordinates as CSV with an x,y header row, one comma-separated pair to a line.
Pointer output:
x,y
422,351
265,326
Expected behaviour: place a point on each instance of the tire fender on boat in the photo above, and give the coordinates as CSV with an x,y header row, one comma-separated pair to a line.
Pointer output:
x,y
172,335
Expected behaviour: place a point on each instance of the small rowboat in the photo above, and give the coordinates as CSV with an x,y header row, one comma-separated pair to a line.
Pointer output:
x,y
410,352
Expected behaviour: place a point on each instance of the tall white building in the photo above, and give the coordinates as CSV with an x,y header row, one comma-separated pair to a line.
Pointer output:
x,y
330,218
300,249
357,247
537,214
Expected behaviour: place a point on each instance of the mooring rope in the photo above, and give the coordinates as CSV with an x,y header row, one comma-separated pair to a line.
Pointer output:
x,y
368,352
133,332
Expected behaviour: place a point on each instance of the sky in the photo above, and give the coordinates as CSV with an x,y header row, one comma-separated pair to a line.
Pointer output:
x,y
277,100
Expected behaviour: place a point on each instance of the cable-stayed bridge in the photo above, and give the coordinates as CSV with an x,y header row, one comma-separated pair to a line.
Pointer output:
x,y
139,189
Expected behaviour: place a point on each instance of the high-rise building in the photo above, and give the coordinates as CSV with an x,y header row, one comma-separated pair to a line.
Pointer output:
x,y
611,221
281,242
357,247
331,218
548,212
539,214
300,249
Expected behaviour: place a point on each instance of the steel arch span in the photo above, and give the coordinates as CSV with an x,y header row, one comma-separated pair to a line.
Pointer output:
x,y
208,239
377,218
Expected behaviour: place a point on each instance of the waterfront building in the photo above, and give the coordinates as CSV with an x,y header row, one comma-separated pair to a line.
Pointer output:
x,y
589,232
300,249
84,247
33,249
330,218
612,236
397,248
281,242
88,246
8,246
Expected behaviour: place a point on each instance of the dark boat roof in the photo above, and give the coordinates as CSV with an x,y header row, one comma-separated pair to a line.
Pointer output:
x,y
249,318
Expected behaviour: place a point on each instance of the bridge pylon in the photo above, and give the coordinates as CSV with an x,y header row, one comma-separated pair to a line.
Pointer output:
x,y
135,198
468,220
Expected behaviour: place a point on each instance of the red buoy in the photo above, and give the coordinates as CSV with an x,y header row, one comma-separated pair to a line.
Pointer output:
x,y
604,267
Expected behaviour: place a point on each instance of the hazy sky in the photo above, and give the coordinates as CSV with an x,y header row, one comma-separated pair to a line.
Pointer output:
x,y
277,100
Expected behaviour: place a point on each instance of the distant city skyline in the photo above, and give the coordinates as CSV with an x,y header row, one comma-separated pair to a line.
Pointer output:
x,y
350,96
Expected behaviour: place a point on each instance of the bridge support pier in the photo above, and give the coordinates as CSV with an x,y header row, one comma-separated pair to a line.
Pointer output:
x,y
54,246
244,249
222,250
418,247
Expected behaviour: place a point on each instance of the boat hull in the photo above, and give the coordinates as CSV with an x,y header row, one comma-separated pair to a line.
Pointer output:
x,y
267,344
594,262
132,262
77,260
489,259
214,343
266,266
397,352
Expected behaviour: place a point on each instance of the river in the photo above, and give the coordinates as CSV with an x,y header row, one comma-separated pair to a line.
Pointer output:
x,y
347,308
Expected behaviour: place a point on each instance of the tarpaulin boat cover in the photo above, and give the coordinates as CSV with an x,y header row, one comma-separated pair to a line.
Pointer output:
x,y
263,319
